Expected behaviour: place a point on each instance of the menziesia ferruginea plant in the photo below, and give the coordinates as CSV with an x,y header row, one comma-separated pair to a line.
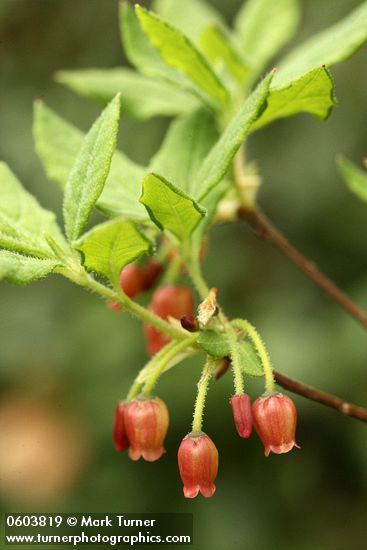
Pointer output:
x,y
208,75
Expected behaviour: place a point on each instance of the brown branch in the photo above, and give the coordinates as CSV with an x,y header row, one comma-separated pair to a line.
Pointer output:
x,y
348,409
268,232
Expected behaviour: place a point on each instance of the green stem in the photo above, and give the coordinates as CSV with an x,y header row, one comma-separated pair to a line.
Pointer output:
x,y
160,365
203,383
134,391
77,274
235,359
261,350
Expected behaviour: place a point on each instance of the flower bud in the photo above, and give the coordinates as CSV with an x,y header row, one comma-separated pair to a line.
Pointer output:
x,y
275,419
119,430
132,280
198,464
188,322
146,422
241,407
152,272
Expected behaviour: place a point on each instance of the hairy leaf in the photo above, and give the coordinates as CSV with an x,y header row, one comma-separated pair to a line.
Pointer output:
x,y
250,361
186,143
263,27
214,343
90,170
23,221
179,52
169,207
58,143
160,98
110,246
190,16
20,269
326,48
354,177
218,160
312,93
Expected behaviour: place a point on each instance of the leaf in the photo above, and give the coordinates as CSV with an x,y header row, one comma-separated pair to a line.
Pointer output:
x,y
213,343
186,143
110,246
179,52
263,27
354,177
190,16
312,93
90,170
23,221
326,48
58,143
169,207
218,49
19,269
102,85
218,160
250,361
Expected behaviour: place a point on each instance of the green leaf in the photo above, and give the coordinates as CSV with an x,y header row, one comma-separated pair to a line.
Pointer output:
x,y
19,269
186,143
218,160
160,98
326,48
312,93
90,170
23,222
354,177
218,49
110,246
263,27
213,343
179,52
58,143
169,207
250,361
190,16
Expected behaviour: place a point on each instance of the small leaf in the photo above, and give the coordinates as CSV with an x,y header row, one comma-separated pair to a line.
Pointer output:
x,y
19,269
220,52
250,361
58,143
90,170
354,177
110,246
263,27
190,16
179,52
217,162
102,85
188,140
169,207
326,48
312,93
213,343
23,221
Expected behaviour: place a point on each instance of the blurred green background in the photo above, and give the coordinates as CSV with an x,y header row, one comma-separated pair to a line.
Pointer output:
x,y
65,359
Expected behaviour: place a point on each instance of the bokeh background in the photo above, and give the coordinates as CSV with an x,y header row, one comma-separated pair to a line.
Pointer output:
x,y
65,359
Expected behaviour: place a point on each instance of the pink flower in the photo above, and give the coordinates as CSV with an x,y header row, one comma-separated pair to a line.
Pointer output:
x,y
241,407
275,419
119,431
146,422
198,464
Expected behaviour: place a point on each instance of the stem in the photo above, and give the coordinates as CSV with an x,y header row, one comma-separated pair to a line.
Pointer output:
x,y
268,232
261,350
133,392
348,409
161,364
203,383
235,359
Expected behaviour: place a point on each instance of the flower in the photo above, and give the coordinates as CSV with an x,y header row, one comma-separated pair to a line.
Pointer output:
x,y
132,280
198,464
119,430
146,422
275,419
241,407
